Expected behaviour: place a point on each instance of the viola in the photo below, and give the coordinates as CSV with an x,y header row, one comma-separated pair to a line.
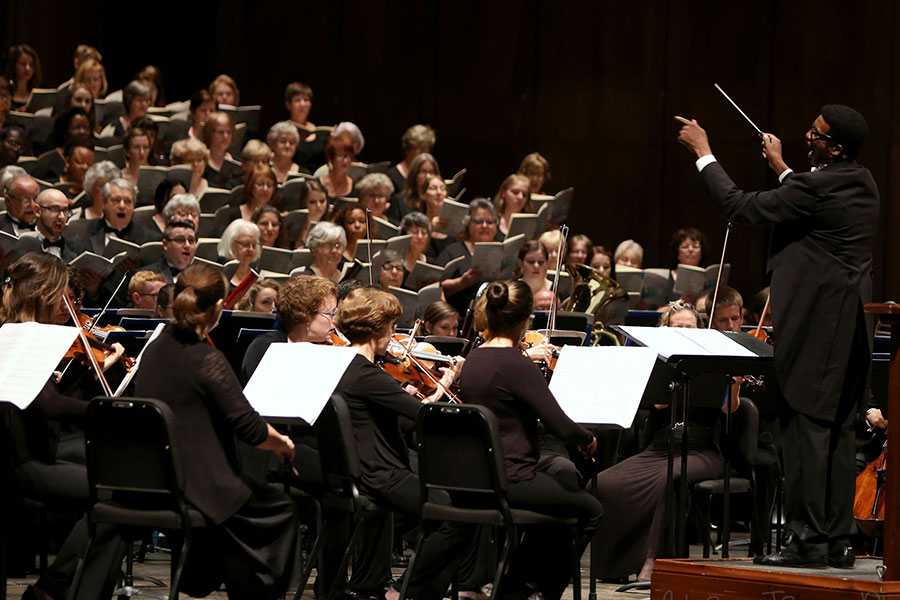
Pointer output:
x,y
416,366
96,337
532,339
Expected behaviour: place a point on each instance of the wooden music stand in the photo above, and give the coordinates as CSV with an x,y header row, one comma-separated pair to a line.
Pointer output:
x,y
890,313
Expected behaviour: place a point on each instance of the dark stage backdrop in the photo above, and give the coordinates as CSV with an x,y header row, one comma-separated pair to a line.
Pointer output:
x,y
591,85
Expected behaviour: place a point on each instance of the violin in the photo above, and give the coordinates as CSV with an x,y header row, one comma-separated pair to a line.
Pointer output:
x,y
96,337
417,367
868,505
533,339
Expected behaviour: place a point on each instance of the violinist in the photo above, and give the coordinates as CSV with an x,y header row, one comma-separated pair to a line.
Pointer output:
x,y
367,317
34,292
251,537
821,277
440,318
766,467
497,376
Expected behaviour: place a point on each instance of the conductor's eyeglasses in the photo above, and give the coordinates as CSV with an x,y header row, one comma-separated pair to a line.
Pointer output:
x,y
815,134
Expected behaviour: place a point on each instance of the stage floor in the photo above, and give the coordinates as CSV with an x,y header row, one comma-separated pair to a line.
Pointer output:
x,y
709,579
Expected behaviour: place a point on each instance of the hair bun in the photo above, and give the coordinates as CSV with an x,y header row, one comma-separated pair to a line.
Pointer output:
x,y
497,294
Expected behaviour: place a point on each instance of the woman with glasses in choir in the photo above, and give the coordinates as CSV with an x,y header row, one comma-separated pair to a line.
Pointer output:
x,y
240,242
416,224
217,134
461,283
388,269
326,241
283,139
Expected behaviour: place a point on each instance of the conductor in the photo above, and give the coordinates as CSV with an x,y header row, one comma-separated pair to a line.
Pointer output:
x,y
820,267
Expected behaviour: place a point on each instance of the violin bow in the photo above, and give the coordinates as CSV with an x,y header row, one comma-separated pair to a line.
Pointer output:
x,y
82,336
762,317
563,236
407,353
369,245
92,324
712,308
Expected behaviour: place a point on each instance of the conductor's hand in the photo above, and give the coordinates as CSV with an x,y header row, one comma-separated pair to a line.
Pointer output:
x,y
281,445
693,137
771,151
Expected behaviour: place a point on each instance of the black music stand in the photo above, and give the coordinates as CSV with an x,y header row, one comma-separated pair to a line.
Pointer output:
x,y
691,368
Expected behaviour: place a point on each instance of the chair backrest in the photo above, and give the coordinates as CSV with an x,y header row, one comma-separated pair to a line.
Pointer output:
x,y
459,450
130,449
746,433
337,447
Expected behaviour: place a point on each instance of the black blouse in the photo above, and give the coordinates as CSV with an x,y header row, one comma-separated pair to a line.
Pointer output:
x,y
210,409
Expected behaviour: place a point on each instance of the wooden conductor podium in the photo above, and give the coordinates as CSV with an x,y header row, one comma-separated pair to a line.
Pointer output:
x,y
690,579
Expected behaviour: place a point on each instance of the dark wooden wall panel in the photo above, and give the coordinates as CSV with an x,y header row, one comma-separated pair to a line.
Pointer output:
x,y
592,85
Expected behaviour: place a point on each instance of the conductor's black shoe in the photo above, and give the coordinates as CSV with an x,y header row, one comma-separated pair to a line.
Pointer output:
x,y
842,557
789,557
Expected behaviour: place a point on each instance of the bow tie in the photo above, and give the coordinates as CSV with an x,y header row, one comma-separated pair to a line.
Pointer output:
x,y
118,232
21,225
58,243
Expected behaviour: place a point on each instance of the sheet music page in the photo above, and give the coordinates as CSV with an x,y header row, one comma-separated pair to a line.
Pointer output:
x,y
44,346
717,343
667,341
296,380
623,371
677,341
137,362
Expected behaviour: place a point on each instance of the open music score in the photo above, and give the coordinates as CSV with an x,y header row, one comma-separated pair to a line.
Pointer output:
x,y
29,353
295,381
618,376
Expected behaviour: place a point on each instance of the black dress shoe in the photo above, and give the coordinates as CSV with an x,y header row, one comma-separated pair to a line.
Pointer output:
x,y
788,557
842,557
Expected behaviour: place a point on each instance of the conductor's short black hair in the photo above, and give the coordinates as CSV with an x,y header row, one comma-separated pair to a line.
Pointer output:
x,y
847,127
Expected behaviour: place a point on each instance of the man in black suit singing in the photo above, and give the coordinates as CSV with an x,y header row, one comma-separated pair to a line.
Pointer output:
x,y
820,265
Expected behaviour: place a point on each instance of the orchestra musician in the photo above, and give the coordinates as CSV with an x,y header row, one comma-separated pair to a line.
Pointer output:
x,y
633,491
498,376
250,544
34,292
820,264
367,317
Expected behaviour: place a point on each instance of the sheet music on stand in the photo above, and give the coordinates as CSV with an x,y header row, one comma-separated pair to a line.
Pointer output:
x,y
275,389
624,372
44,345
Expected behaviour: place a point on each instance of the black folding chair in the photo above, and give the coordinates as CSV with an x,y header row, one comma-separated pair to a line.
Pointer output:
x,y
460,454
134,476
340,471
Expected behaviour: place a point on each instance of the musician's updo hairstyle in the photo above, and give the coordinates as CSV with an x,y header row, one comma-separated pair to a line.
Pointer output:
x,y
34,285
197,293
507,304
365,313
